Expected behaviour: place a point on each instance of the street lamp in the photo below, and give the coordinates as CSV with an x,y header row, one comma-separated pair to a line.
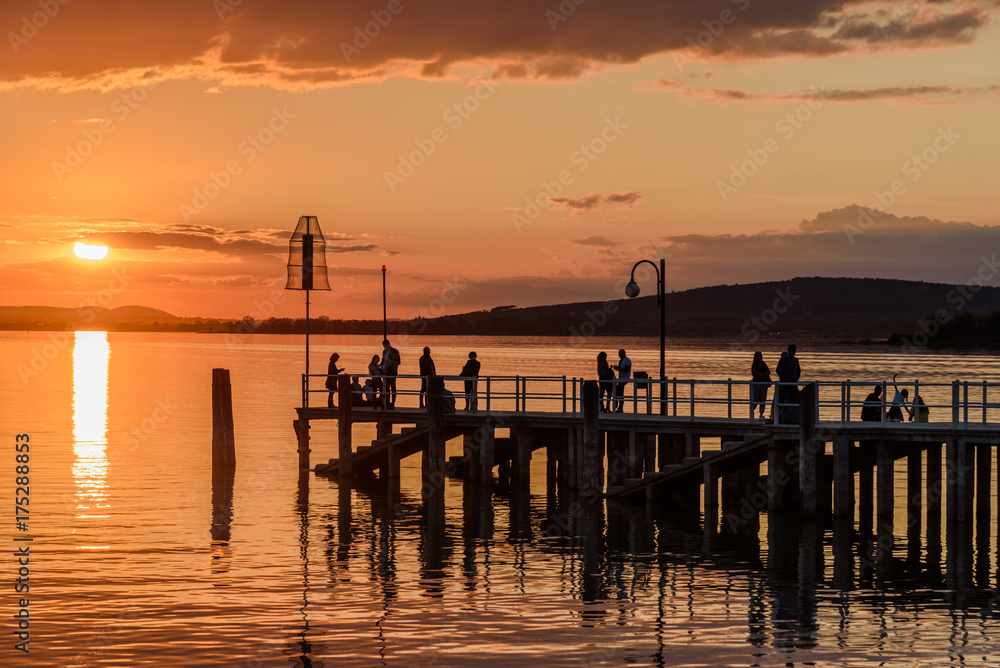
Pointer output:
x,y
632,290
307,268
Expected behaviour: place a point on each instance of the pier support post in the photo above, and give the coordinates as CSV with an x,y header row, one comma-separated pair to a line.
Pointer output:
x,y
345,445
934,490
434,456
984,477
710,487
914,496
593,454
843,480
670,450
884,486
301,428
521,464
782,476
809,446
223,438
692,444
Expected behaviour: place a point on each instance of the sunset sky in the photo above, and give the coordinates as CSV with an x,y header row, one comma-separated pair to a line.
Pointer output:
x,y
519,152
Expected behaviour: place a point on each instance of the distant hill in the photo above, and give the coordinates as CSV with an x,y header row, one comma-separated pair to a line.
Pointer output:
x,y
829,307
839,307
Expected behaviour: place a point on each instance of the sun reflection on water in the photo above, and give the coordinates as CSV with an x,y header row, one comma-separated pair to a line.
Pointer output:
x,y
91,352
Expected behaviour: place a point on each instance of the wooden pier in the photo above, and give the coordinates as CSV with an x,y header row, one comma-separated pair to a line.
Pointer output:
x,y
819,468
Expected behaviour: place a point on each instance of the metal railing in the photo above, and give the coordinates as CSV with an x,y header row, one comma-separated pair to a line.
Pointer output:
x,y
958,402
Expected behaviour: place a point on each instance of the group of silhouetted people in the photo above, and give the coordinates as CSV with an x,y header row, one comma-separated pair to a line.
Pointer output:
x,y
379,389
871,410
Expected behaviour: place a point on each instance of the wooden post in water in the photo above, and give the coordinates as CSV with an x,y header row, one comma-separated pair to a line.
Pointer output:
x,y
346,446
807,450
884,482
223,439
434,459
934,491
914,483
843,479
521,464
593,454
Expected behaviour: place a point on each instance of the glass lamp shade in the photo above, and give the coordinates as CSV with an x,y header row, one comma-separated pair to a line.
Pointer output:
x,y
307,257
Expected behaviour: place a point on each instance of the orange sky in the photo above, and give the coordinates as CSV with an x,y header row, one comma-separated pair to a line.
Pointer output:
x,y
490,153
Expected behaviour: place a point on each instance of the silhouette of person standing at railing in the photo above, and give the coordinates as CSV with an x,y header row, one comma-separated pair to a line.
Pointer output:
x,y
605,381
624,369
470,373
895,413
390,368
760,375
332,374
426,371
375,371
789,372
871,410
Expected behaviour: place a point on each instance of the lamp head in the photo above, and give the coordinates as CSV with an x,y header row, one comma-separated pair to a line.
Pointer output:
x,y
632,289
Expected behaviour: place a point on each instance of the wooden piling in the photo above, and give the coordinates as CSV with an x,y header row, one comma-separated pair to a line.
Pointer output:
x,y
808,450
914,496
434,455
934,491
884,481
223,438
984,477
521,457
593,454
345,445
843,479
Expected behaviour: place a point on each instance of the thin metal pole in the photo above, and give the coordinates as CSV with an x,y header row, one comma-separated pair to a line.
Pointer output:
x,y
307,346
385,331
663,310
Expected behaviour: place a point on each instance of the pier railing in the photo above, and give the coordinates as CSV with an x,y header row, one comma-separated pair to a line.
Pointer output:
x,y
957,402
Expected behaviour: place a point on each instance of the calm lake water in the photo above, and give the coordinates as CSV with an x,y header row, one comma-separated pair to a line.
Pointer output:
x,y
135,562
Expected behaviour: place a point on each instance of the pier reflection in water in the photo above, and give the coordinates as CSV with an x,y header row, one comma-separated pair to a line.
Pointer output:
x,y
659,591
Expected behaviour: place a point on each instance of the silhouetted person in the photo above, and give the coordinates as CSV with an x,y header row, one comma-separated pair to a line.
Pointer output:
x,y
375,371
788,395
871,411
470,372
760,375
895,413
426,371
624,369
370,396
357,392
390,367
606,381
920,410
332,374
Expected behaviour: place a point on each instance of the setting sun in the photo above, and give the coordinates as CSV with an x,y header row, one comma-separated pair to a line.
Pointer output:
x,y
88,252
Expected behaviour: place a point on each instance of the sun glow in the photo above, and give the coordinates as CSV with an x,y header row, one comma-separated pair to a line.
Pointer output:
x,y
88,252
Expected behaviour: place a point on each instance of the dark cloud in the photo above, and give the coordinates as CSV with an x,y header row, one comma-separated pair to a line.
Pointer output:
x,y
905,26
595,201
304,43
187,237
351,249
836,95
596,241
853,241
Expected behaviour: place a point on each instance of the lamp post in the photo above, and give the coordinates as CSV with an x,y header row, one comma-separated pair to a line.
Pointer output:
x,y
385,331
632,290
307,269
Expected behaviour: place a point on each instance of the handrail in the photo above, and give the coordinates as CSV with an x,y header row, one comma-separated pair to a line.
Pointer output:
x,y
709,398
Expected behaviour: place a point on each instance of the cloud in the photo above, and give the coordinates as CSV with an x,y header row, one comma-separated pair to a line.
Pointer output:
x,y
596,201
912,25
940,93
596,241
853,241
303,44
